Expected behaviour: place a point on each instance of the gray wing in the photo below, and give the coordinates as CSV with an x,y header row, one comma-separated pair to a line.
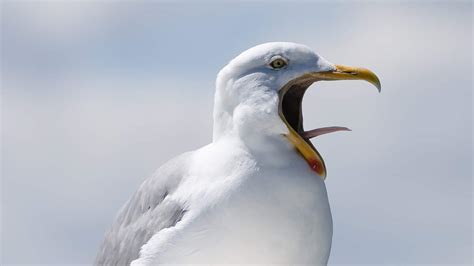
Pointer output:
x,y
146,213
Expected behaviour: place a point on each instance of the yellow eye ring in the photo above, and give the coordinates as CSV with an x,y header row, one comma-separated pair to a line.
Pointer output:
x,y
278,63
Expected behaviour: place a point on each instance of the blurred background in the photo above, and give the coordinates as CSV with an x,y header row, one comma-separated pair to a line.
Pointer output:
x,y
97,95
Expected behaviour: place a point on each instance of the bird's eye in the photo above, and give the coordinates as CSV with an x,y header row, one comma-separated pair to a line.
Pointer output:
x,y
278,63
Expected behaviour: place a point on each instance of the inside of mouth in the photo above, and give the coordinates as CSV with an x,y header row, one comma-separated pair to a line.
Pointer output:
x,y
291,104
292,109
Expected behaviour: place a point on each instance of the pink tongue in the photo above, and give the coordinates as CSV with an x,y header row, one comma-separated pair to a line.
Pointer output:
x,y
321,131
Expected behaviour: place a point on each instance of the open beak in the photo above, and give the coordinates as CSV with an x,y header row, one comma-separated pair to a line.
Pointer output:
x,y
290,110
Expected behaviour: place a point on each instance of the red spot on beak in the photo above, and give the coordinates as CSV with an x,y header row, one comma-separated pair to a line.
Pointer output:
x,y
316,166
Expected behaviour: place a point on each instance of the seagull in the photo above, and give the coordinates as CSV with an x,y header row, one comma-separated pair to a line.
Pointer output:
x,y
256,194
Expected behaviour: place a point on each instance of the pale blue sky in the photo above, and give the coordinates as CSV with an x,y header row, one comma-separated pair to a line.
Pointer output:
x,y
96,96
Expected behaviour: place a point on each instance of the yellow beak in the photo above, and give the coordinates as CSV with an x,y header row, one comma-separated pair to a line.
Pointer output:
x,y
304,146
348,73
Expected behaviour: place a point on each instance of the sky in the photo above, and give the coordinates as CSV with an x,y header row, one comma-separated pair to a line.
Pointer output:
x,y
97,95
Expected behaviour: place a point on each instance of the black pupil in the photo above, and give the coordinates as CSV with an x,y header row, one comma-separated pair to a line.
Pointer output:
x,y
278,63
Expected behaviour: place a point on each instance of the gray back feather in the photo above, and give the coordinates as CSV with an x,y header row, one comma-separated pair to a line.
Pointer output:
x,y
148,211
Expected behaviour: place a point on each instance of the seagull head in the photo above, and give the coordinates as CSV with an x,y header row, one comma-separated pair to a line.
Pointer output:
x,y
259,95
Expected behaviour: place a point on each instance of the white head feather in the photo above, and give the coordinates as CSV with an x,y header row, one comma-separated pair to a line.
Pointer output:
x,y
246,99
